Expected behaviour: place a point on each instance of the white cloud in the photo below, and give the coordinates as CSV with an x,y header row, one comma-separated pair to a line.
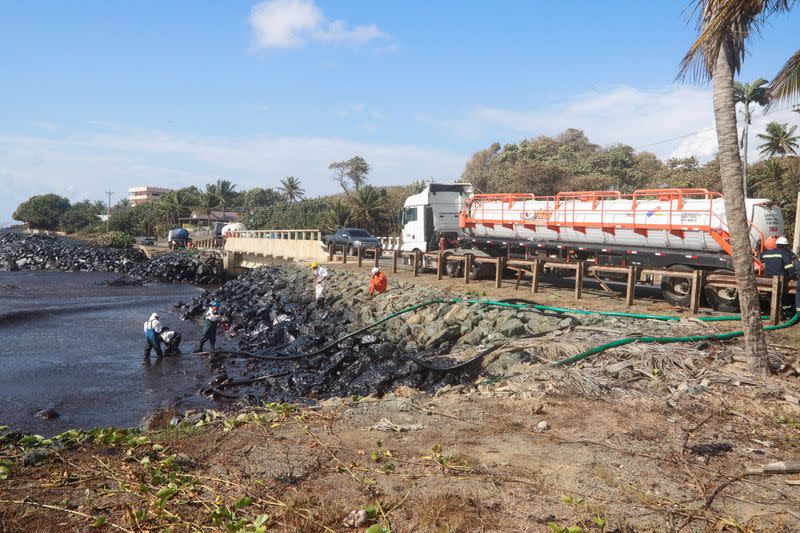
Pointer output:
x,y
350,109
289,23
676,121
282,23
338,32
71,165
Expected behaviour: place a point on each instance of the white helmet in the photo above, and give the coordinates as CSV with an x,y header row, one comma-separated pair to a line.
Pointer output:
x,y
375,270
782,240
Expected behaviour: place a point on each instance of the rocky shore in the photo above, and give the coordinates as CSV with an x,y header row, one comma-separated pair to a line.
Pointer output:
x,y
39,252
180,267
272,307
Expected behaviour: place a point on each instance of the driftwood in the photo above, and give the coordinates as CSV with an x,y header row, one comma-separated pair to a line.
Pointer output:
x,y
782,467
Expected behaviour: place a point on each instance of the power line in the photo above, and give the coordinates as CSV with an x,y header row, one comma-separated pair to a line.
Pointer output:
x,y
795,108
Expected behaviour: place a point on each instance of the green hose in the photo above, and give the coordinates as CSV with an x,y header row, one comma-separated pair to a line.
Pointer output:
x,y
665,340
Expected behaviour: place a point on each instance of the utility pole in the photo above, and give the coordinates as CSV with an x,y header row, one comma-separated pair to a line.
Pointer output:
x,y
108,210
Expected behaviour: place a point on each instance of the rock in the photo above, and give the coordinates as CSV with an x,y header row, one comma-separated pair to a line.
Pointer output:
x,y
36,456
356,518
47,414
442,335
159,419
511,327
542,426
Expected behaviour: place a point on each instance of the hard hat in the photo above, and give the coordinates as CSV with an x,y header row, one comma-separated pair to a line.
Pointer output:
x,y
215,303
375,270
314,264
154,316
782,240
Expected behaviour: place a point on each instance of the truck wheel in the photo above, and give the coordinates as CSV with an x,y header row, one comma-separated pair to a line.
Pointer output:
x,y
455,269
677,291
724,299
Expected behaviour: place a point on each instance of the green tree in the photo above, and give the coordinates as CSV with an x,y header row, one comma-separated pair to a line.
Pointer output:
x,y
291,189
258,197
755,92
779,140
208,200
176,204
42,211
226,193
81,216
336,216
367,207
351,173
718,52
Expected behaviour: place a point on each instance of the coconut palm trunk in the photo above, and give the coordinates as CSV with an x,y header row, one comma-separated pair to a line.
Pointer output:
x,y
746,134
738,228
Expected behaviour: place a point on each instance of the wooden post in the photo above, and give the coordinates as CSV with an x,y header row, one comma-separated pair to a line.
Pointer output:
x,y
776,300
378,254
697,289
415,258
467,267
498,272
395,256
344,254
330,252
579,280
439,265
535,276
630,286
360,254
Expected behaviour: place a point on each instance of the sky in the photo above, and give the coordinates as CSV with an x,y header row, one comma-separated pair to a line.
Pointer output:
x,y
99,96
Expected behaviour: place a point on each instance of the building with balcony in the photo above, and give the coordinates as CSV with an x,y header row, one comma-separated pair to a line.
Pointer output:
x,y
144,194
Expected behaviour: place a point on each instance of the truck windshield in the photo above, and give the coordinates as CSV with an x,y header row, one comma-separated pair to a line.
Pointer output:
x,y
359,233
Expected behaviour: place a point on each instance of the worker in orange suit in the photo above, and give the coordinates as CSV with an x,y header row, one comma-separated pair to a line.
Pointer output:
x,y
378,283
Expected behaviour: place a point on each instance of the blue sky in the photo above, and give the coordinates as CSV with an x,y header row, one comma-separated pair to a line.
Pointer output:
x,y
104,95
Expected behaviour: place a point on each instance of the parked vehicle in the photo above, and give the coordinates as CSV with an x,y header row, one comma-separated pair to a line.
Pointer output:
x,y
178,238
676,229
229,229
148,241
353,239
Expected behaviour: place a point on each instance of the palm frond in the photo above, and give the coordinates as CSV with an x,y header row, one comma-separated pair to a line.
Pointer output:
x,y
725,25
786,83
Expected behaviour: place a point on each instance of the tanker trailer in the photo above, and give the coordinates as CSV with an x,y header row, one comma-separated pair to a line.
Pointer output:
x,y
677,229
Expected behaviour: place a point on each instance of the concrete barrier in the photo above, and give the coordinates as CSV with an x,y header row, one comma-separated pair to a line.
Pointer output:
x,y
251,248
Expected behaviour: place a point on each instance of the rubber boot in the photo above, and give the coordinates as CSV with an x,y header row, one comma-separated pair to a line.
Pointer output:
x,y
147,349
200,347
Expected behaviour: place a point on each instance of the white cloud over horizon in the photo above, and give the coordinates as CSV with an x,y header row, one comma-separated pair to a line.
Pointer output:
x,y
82,166
676,121
290,23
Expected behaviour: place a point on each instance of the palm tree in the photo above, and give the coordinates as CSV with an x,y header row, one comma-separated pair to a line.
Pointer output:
x,y
291,190
367,204
176,203
779,140
226,191
337,216
724,26
755,92
208,200
786,83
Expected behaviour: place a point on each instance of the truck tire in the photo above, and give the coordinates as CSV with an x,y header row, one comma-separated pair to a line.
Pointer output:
x,y
677,291
724,299
455,269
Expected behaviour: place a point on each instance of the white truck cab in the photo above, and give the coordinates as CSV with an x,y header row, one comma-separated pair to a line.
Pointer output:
x,y
433,214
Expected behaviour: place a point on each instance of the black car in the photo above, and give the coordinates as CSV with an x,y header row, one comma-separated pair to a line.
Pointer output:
x,y
353,239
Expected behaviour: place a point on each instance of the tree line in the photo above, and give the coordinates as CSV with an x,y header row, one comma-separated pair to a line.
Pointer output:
x,y
284,207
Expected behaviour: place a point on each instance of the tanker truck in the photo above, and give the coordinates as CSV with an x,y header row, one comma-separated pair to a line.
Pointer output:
x,y
675,229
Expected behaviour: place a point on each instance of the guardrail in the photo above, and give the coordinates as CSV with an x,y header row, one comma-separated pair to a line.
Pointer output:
x,y
533,268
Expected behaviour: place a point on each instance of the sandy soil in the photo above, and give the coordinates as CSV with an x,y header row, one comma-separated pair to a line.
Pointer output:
x,y
502,455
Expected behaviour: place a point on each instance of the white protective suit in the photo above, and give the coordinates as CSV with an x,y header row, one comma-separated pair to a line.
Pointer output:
x,y
320,275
